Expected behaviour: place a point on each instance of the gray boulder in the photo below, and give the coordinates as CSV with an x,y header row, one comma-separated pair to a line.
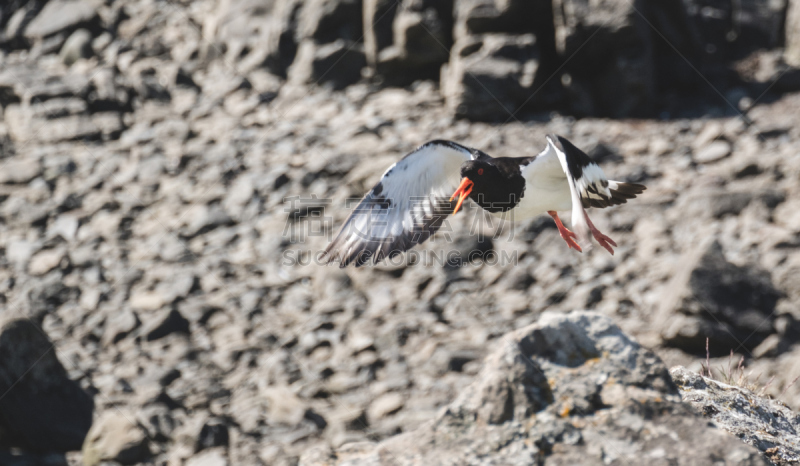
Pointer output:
x,y
608,53
326,21
378,16
281,35
61,17
490,76
711,298
520,22
761,422
77,46
338,63
41,409
115,436
719,203
569,389
508,16
408,40
26,125
328,48
14,19
792,53
29,84
730,30
256,33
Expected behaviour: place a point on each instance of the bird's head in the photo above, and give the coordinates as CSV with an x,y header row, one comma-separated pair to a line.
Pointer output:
x,y
477,176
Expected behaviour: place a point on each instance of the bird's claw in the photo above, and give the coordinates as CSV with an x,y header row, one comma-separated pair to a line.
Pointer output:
x,y
568,237
604,241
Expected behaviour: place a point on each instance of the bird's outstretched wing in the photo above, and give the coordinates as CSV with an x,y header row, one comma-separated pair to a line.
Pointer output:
x,y
588,185
405,208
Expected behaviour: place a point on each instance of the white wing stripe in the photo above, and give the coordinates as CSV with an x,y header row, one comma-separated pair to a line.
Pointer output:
x,y
402,210
579,225
593,176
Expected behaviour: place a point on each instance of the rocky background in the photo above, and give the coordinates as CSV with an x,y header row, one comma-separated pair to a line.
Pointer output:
x,y
168,169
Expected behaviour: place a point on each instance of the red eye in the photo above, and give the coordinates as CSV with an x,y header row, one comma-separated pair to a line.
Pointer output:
x,y
480,171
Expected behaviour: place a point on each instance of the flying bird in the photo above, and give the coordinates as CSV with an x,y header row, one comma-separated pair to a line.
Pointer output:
x,y
416,194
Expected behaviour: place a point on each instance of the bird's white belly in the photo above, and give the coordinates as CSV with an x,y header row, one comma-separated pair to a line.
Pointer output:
x,y
536,201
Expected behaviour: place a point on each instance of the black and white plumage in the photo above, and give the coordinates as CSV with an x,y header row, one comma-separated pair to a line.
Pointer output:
x,y
416,194
561,178
405,208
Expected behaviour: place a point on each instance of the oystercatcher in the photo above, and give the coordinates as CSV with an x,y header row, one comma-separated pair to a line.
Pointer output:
x,y
415,195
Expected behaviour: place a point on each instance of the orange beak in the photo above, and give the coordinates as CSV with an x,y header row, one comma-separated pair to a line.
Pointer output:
x,y
462,192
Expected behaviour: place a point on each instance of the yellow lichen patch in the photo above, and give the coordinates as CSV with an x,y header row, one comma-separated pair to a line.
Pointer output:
x,y
579,423
592,361
565,410
529,443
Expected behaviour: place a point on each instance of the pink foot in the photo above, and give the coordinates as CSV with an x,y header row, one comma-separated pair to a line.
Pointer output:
x,y
567,235
602,239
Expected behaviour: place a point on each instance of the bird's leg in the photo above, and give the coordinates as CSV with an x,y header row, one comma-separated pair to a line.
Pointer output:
x,y
604,240
566,234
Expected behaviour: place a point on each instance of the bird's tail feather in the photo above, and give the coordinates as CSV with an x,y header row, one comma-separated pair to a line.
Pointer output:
x,y
580,226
